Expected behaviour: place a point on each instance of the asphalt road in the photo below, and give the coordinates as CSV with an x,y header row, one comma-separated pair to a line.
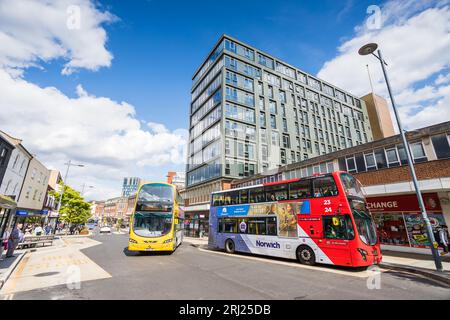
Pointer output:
x,y
191,273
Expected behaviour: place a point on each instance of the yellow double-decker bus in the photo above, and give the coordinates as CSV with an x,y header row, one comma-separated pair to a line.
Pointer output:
x,y
157,221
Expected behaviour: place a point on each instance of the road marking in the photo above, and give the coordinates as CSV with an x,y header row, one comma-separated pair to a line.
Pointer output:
x,y
357,274
16,273
8,296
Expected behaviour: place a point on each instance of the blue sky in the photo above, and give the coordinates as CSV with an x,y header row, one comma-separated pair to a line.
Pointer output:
x,y
63,94
157,45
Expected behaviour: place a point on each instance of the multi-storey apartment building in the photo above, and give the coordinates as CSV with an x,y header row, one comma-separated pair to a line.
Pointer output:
x,y
130,185
252,112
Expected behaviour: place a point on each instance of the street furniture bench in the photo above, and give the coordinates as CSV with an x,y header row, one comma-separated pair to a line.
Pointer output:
x,y
33,241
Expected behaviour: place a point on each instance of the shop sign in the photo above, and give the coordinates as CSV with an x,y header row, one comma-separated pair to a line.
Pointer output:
x,y
21,213
403,203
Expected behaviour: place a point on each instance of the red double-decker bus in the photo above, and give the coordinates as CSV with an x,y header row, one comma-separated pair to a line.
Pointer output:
x,y
317,219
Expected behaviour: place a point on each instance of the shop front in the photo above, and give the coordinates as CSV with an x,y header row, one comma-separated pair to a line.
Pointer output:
x,y
196,224
30,216
399,220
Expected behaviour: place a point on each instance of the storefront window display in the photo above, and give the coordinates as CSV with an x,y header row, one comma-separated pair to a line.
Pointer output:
x,y
399,221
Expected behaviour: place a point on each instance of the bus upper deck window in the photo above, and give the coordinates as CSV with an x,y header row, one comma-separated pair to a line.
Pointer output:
x,y
257,195
300,189
325,187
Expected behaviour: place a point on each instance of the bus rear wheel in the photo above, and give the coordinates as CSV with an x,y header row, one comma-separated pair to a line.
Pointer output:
x,y
305,255
229,246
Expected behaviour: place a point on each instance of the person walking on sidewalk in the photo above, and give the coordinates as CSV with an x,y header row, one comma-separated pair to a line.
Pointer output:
x,y
14,239
4,243
444,239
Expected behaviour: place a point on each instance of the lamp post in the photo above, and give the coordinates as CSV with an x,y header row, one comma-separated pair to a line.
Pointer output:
x,y
68,164
370,49
83,187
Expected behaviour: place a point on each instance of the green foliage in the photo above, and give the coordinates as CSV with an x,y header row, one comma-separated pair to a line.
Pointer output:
x,y
73,207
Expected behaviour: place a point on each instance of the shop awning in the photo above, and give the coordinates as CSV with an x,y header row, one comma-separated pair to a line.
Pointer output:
x,y
7,202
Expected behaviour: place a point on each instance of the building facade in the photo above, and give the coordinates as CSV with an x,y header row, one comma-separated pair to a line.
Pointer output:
x,y
14,174
379,116
130,185
251,113
177,178
381,166
6,148
34,190
97,209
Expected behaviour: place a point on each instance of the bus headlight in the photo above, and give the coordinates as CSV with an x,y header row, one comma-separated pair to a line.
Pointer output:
x,y
168,240
132,241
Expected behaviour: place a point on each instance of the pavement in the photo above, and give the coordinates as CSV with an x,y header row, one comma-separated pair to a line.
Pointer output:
x,y
62,263
105,269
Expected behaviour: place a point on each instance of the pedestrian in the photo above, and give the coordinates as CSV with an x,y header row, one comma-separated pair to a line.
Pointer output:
x,y
15,238
4,243
38,230
48,229
444,238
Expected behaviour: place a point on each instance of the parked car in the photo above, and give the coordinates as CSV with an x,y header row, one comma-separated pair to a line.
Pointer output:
x,y
105,229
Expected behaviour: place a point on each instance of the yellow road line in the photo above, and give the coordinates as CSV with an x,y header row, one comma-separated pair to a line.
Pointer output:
x,y
17,273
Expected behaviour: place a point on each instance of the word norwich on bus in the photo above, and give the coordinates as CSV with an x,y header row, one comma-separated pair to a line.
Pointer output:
x,y
264,244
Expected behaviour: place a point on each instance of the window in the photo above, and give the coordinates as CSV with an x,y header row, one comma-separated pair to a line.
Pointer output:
x,y
262,119
228,225
360,164
370,161
441,146
257,195
324,187
217,199
351,165
272,107
7,186
243,196
286,141
276,192
380,158
418,153
300,189
402,155
271,225
256,226
273,122
338,227
392,157
16,159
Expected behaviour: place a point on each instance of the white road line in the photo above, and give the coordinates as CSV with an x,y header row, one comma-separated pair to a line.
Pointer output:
x,y
357,274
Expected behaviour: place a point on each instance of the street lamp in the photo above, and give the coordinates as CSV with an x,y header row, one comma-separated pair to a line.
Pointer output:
x,y
68,164
83,187
370,49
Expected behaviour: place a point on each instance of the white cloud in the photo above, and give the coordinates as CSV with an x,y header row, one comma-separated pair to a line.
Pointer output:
x,y
441,79
95,130
33,31
105,135
415,40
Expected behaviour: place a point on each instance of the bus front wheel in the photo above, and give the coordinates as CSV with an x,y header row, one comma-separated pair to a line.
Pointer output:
x,y
305,255
229,246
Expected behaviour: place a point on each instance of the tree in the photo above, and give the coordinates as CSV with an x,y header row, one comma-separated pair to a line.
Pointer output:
x,y
73,207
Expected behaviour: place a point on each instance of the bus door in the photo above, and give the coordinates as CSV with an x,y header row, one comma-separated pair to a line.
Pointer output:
x,y
337,235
